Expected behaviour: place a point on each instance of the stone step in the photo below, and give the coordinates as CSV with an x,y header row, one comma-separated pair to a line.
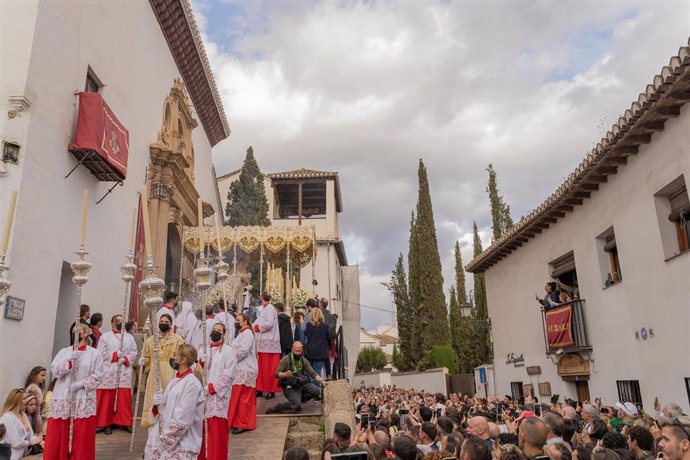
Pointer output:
x,y
314,455
305,423
310,440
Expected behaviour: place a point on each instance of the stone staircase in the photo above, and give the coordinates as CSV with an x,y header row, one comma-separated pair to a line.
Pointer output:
x,y
306,432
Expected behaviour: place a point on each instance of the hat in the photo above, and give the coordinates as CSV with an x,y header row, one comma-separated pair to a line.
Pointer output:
x,y
525,414
628,407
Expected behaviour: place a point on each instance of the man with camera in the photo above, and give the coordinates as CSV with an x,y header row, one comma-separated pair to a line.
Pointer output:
x,y
293,373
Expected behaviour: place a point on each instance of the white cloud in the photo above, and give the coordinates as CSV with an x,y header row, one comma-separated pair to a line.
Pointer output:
x,y
367,88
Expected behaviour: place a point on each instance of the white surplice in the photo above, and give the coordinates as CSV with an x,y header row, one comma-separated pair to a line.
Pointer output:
x,y
89,371
179,416
219,368
108,344
246,367
268,337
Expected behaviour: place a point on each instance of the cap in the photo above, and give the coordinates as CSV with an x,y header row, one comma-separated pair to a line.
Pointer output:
x,y
525,414
628,407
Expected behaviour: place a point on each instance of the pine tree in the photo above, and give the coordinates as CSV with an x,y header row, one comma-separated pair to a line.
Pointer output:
x,y
501,221
404,313
432,313
460,288
413,284
481,332
247,203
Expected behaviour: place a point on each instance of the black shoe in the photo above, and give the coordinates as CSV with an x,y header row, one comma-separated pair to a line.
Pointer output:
x,y
238,430
259,394
271,410
270,395
128,429
108,430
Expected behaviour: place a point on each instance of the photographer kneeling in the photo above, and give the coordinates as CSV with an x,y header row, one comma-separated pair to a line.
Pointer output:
x,y
293,373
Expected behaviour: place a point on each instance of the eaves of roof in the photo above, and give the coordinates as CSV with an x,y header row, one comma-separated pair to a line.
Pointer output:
x,y
661,100
307,174
179,28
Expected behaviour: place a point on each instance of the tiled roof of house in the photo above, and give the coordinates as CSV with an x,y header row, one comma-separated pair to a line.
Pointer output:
x,y
302,173
661,100
179,28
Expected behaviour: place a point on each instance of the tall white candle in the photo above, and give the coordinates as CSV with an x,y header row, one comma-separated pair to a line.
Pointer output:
x,y
84,206
8,223
147,227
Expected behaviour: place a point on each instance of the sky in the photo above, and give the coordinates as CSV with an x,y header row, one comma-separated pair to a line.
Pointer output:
x,y
367,88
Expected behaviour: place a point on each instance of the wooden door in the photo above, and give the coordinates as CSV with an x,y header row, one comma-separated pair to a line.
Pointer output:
x,y
582,389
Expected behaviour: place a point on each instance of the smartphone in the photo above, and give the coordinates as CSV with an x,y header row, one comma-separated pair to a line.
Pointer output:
x,y
351,456
365,420
403,411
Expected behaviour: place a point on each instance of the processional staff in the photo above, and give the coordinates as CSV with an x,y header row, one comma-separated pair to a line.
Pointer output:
x,y
80,268
222,275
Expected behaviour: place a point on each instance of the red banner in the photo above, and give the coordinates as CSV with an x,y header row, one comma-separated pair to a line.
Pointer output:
x,y
99,130
559,327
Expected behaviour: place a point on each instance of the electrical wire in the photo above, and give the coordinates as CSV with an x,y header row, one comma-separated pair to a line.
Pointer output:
x,y
368,306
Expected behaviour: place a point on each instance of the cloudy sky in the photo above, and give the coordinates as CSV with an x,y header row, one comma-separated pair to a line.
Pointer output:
x,y
366,88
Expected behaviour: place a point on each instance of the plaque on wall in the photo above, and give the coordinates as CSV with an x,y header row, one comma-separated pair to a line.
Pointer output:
x,y
533,370
545,389
527,388
14,308
572,365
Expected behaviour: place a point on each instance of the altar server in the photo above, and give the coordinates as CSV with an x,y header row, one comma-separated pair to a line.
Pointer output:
x,y
218,362
119,352
242,410
177,413
268,346
78,370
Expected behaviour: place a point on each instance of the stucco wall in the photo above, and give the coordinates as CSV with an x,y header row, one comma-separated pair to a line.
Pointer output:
x,y
124,45
431,381
654,293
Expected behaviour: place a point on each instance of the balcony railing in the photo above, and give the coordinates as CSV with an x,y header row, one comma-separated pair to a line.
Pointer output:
x,y
577,326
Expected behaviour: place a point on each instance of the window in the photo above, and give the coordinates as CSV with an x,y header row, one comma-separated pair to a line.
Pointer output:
x,y
10,152
673,213
629,391
609,263
93,83
563,270
687,387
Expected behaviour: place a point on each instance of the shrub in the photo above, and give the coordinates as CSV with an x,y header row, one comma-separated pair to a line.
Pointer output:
x,y
370,359
440,356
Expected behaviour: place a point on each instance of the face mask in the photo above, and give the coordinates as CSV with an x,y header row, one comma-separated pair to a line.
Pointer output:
x,y
215,336
164,327
237,325
296,355
174,363
118,326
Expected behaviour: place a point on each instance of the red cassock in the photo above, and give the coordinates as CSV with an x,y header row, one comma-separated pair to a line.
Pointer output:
x,y
105,403
266,380
242,410
83,443
217,439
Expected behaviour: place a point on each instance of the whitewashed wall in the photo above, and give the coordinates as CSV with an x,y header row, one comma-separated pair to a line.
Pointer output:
x,y
124,45
431,381
654,293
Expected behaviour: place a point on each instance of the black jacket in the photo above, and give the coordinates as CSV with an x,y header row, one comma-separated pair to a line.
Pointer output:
x,y
318,341
285,329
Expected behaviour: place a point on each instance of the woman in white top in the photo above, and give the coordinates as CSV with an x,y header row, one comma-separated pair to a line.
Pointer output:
x,y
19,434
178,413
219,364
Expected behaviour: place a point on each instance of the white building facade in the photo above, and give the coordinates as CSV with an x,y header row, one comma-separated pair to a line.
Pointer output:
x,y
147,62
617,232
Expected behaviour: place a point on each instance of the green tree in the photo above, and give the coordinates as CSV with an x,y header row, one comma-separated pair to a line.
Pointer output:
x,y
432,314
413,290
440,356
454,319
404,314
501,221
481,332
460,288
247,203
371,359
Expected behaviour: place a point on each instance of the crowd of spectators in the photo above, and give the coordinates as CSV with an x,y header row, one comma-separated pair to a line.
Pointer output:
x,y
407,424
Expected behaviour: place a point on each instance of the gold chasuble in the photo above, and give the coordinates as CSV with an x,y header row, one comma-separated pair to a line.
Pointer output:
x,y
168,347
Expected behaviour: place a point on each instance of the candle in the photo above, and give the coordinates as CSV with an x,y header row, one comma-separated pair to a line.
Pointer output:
x,y
147,228
200,205
84,205
131,228
220,253
8,223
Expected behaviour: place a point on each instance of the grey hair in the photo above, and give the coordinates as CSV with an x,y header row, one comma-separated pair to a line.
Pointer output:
x,y
593,411
673,410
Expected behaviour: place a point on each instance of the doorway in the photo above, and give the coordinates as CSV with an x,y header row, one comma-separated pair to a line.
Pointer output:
x,y
172,259
582,390
66,309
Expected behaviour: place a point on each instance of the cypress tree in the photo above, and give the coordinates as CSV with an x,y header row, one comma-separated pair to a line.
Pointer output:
x,y
404,313
501,221
413,284
481,334
454,320
432,313
460,288
247,203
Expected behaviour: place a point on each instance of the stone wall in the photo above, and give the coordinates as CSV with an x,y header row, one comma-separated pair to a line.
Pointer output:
x,y
338,406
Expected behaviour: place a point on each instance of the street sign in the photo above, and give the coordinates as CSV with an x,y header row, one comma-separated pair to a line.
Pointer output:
x,y
14,308
482,375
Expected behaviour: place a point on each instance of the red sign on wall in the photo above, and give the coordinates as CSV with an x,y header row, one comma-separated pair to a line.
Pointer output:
x,y
559,327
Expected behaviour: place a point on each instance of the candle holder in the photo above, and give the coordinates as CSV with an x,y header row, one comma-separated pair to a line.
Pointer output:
x,y
5,282
80,268
128,269
152,287
202,275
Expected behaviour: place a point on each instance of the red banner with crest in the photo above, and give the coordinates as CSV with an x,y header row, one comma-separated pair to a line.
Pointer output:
x,y
99,131
559,326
